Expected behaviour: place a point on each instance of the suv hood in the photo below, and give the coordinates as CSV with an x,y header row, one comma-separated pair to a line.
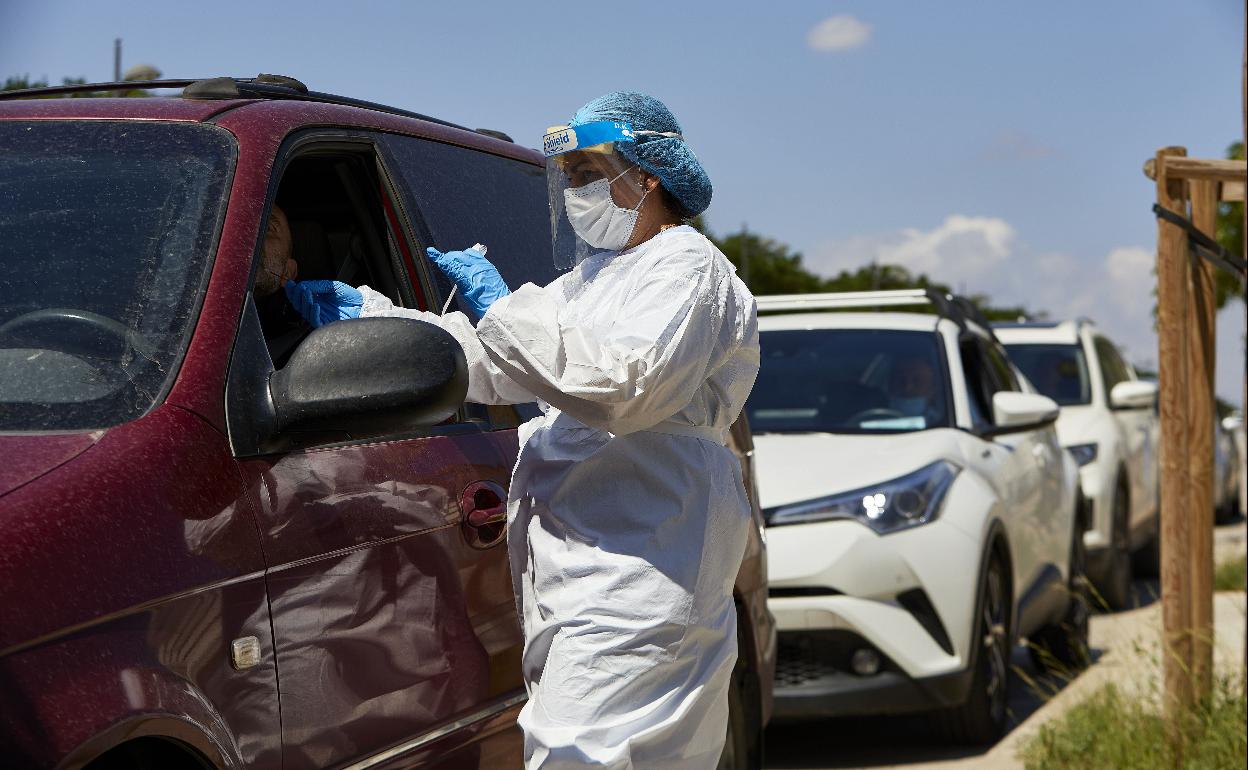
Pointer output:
x,y
793,467
29,457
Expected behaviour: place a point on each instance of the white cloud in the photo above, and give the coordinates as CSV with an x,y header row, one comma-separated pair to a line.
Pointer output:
x,y
960,249
838,33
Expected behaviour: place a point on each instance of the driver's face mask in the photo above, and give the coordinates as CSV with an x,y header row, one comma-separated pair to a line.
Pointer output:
x,y
596,218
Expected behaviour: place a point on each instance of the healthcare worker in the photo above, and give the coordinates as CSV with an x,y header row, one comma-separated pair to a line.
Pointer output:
x,y
627,514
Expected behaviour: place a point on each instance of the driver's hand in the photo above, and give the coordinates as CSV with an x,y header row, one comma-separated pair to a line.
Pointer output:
x,y
322,302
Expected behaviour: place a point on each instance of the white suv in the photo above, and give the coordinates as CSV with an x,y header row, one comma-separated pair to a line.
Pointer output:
x,y
921,514
1109,422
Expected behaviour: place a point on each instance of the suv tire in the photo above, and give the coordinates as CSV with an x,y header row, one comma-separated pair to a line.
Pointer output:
x,y
1062,647
1116,587
982,718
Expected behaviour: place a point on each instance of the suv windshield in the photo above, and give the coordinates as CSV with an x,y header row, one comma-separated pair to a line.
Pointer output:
x,y
849,381
106,232
1058,371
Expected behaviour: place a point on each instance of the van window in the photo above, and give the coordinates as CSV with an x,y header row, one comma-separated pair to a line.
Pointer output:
x,y
332,203
468,196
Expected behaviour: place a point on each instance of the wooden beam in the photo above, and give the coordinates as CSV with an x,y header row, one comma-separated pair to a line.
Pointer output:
x,y
1201,313
1231,192
1172,301
1202,168
1229,172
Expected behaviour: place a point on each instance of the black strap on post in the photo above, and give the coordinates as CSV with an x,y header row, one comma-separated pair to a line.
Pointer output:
x,y
1205,246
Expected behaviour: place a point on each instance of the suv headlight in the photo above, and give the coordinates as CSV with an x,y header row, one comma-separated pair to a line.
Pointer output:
x,y
886,507
1083,453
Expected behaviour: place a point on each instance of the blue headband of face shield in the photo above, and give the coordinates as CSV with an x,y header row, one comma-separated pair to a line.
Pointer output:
x,y
569,138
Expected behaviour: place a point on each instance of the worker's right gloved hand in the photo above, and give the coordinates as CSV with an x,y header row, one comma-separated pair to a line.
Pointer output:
x,y
476,278
320,302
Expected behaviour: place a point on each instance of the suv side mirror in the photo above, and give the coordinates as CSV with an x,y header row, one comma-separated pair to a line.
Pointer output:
x,y
1133,394
1015,412
370,375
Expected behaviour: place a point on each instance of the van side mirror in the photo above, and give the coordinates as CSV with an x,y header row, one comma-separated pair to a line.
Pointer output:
x,y
370,375
1133,394
1015,412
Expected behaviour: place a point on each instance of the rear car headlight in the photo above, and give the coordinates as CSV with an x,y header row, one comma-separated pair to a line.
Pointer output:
x,y
1083,453
886,507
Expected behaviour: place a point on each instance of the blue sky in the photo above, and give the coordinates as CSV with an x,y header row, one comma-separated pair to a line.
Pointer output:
x,y
996,145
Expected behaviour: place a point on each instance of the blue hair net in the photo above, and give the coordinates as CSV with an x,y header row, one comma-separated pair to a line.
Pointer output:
x,y
668,158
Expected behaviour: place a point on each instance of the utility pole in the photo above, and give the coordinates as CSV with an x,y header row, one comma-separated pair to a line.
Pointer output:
x,y
117,60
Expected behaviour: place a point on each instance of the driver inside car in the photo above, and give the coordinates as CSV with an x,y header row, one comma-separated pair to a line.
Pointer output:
x,y
282,324
912,390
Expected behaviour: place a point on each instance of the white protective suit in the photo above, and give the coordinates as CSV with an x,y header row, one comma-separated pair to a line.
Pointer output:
x,y
627,515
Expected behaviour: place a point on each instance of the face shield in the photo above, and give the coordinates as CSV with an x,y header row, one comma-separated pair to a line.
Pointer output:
x,y
595,193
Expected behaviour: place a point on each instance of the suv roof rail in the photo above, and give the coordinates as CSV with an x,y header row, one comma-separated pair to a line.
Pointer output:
x,y
262,86
958,309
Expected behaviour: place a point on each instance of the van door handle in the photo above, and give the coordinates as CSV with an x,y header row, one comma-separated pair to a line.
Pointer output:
x,y
483,511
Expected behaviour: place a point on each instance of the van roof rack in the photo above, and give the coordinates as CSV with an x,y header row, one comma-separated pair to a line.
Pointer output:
x,y
958,309
262,86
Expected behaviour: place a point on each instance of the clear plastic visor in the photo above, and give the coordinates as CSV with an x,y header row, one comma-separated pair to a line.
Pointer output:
x,y
583,166
576,171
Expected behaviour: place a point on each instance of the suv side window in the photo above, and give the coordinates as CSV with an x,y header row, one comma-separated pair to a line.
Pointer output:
x,y
979,387
999,368
467,196
1113,369
987,372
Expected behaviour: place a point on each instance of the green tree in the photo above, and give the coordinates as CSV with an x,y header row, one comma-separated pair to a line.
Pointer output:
x,y
774,268
1230,233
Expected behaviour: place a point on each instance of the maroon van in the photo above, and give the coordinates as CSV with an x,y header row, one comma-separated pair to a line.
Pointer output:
x,y
223,545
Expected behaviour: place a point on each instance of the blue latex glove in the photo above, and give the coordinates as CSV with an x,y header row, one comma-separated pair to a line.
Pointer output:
x,y
476,278
321,302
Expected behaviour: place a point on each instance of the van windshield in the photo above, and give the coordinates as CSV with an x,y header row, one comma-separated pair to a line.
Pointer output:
x,y
106,235
849,381
1058,371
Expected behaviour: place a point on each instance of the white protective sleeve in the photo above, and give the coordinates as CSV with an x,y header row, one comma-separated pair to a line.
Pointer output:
x,y
623,376
487,384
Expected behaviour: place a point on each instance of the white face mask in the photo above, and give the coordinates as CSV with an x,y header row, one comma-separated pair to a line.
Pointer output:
x,y
595,217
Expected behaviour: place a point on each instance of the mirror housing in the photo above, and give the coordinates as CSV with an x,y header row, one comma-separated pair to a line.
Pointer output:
x,y
1015,412
1133,394
370,375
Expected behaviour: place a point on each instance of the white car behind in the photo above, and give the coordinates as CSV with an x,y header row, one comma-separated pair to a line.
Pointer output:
x,y
912,541
1109,422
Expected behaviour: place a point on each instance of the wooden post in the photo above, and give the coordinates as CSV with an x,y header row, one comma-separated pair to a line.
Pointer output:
x,y
1172,300
1201,415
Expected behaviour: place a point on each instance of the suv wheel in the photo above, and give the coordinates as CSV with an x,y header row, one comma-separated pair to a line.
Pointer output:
x,y
736,754
981,719
1116,590
1063,647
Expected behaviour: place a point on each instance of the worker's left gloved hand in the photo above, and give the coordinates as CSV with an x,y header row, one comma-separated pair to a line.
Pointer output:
x,y
321,302
476,278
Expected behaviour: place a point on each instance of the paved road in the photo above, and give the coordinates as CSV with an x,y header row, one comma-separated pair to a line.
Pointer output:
x,y
906,742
